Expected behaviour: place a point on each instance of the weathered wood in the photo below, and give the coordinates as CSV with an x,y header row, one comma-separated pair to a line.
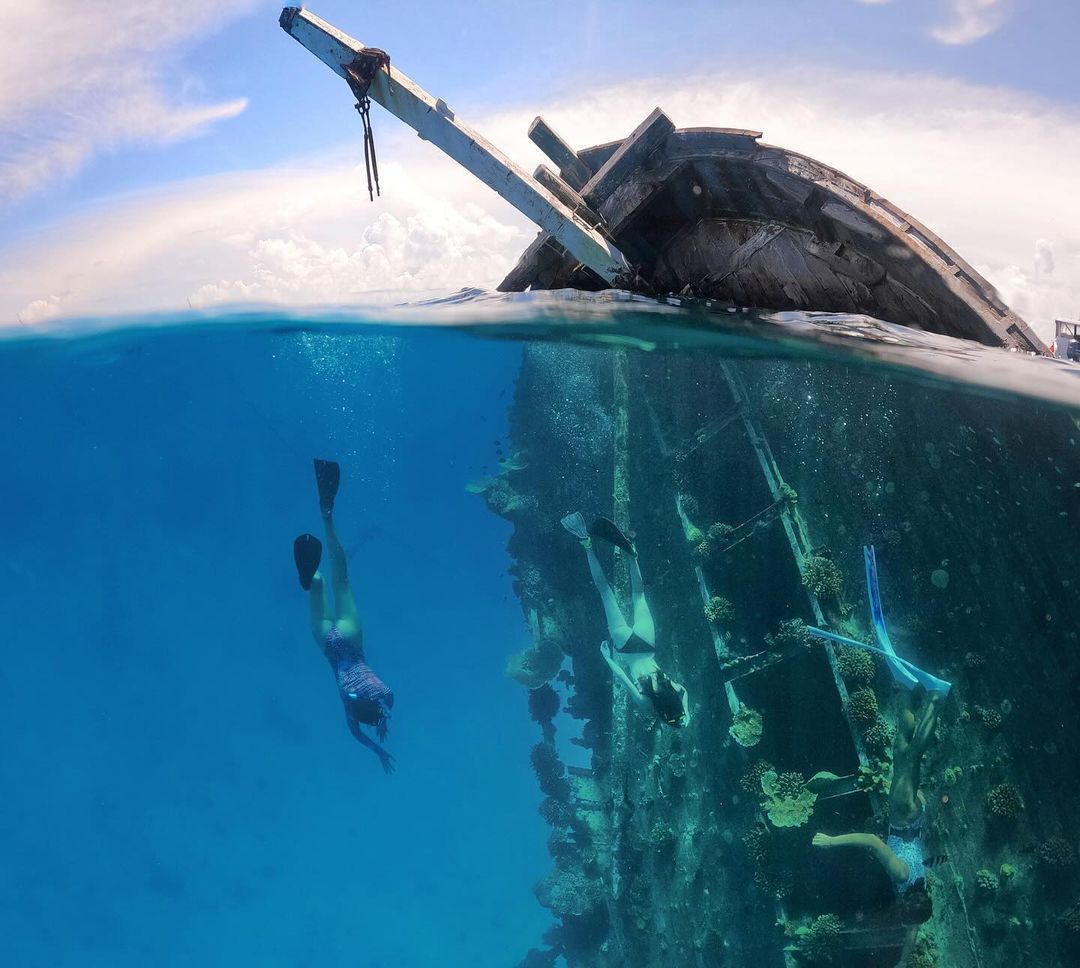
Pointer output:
x,y
434,122
631,154
562,191
863,254
761,238
572,170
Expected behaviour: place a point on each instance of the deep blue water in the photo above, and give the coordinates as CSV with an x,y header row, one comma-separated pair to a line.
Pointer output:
x,y
179,786
178,783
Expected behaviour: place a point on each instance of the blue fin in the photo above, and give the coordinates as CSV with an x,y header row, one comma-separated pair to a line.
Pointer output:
x,y
905,673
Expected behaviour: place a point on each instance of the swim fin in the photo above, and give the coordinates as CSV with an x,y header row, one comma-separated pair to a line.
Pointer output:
x,y
327,478
307,552
575,524
904,673
607,530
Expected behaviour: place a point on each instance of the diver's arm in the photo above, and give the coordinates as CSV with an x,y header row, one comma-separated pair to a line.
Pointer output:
x,y
883,854
620,675
385,758
685,707
924,732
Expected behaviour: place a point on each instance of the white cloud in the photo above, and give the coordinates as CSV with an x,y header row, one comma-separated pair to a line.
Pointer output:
x,y
991,171
970,20
1044,257
92,79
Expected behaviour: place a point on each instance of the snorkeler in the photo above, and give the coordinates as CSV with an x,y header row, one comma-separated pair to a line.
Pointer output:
x,y
650,688
921,694
366,698
901,853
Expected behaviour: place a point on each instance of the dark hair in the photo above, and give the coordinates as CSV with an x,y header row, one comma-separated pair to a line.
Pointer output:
x,y
666,699
915,904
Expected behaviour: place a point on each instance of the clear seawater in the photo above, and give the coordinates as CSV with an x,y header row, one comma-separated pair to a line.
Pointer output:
x,y
177,785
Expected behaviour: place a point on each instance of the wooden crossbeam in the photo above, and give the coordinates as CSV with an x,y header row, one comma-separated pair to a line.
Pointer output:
x,y
572,169
631,154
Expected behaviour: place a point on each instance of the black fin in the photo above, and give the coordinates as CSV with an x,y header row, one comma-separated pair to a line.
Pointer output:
x,y
307,552
327,478
607,530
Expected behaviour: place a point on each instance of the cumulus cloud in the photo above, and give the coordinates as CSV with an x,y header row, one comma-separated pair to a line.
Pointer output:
x,y
970,20
92,80
951,153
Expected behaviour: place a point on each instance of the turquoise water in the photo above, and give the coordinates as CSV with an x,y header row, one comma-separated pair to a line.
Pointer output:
x,y
179,785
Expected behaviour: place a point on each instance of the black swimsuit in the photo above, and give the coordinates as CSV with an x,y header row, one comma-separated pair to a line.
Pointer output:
x,y
635,645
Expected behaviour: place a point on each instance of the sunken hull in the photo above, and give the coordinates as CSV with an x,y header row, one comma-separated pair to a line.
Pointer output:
x,y
713,213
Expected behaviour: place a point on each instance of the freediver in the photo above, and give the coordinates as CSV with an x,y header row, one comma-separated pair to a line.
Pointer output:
x,y
920,696
366,698
634,646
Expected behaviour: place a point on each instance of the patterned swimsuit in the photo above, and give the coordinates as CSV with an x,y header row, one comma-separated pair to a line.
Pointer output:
x,y
906,843
362,691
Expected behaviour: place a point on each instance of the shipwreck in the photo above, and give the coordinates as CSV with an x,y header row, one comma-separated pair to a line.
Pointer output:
x,y
669,847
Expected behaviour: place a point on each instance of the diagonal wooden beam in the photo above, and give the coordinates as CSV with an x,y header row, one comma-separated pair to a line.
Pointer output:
x,y
435,122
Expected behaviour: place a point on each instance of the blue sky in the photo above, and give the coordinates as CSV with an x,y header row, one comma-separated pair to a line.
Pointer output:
x,y
159,100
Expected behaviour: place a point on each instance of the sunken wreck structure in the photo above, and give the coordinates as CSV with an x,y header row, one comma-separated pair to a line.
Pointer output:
x,y
749,504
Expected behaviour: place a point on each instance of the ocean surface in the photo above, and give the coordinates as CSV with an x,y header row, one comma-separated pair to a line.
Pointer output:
x,y
178,783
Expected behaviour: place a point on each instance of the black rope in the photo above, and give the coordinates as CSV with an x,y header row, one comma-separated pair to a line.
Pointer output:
x,y
370,161
360,73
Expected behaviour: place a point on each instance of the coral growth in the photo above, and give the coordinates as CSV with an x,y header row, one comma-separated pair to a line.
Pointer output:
x,y
990,716
856,665
790,633
1005,802
501,496
1056,853
719,531
550,772
751,779
746,726
719,609
878,737
823,577
787,802
569,893
555,813
875,777
863,706
543,705
986,881
1070,919
818,941
772,878
535,665
788,494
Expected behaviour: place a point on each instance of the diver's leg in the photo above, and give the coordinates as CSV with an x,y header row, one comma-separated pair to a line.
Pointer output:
x,y
643,620
617,626
348,616
322,615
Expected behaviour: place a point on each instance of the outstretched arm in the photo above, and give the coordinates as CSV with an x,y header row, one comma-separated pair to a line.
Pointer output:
x,y
621,676
385,758
893,865
924,732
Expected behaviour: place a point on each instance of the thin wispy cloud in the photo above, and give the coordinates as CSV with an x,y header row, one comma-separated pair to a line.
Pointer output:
x,y
970,20
308,234
82,76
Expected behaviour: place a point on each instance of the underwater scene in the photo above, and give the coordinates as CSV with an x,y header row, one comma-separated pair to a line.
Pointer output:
x,y
565,632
